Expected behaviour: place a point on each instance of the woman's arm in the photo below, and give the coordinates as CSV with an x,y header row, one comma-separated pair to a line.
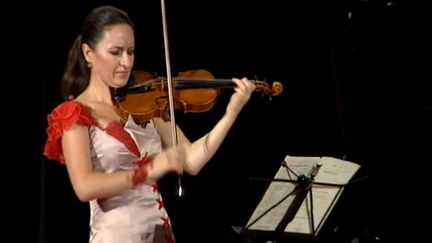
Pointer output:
x,y
201,151
87,183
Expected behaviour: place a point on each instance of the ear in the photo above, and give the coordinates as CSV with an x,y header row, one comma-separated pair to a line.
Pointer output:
x,y
88,53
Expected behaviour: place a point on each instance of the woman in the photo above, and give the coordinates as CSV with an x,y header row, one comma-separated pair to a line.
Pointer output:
x,y
114,163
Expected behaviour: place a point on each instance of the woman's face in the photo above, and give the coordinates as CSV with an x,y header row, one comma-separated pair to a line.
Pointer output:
x,y
113,57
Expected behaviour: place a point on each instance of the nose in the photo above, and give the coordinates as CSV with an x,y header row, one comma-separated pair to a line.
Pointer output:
x,y
127,60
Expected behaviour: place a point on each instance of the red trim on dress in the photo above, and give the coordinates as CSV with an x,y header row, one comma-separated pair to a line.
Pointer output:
x,y
166,221
72,112
61,119
155,188
116,130
160,204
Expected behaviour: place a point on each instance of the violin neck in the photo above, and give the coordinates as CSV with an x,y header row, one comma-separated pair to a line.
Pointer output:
x,y
203,83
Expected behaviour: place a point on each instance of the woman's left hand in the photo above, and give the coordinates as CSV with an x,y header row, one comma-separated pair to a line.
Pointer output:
x,y
242,93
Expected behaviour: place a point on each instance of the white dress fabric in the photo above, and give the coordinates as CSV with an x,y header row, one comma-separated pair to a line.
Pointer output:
x,y
130,217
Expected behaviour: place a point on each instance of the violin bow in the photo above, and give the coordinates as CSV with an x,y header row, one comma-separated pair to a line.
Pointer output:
x,y
170,91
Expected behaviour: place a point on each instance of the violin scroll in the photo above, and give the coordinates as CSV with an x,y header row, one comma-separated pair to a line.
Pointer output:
x,y
263,87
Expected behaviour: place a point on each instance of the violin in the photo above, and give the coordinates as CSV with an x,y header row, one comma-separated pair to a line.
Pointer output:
x,y
194,91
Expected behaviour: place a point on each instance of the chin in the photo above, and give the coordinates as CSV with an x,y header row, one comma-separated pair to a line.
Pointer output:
x,y
120,83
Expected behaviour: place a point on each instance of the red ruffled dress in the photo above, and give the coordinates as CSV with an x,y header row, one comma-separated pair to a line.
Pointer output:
x,y
132,216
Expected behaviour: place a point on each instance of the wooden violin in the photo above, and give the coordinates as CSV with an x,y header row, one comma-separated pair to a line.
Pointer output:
x,y
194,91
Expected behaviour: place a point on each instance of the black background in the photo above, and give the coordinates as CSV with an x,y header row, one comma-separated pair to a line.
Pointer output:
x,y
355,87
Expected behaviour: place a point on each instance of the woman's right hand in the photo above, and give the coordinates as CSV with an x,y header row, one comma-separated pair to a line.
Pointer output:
x,y
169,160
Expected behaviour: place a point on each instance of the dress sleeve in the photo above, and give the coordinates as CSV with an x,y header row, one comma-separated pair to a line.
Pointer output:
x,y
61,119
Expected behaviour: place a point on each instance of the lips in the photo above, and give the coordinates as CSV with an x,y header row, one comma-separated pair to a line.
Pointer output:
x,y
122,74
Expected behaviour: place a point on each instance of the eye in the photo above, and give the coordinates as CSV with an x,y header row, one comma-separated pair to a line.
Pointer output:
x,y
115,52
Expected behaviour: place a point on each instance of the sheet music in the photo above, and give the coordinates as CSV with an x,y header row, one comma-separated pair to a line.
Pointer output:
x,y
333,171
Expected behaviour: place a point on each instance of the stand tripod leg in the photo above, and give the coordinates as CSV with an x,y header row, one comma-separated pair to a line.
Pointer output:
x,y
311,211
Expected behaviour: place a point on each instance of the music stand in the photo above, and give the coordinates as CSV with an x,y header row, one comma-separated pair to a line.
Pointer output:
x,y
286,211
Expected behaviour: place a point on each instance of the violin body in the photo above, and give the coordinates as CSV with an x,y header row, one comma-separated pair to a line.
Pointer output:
x,y
194,91
198,98
143,105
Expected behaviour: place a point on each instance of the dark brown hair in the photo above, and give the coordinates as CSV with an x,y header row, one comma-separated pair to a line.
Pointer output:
x,y
77,73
